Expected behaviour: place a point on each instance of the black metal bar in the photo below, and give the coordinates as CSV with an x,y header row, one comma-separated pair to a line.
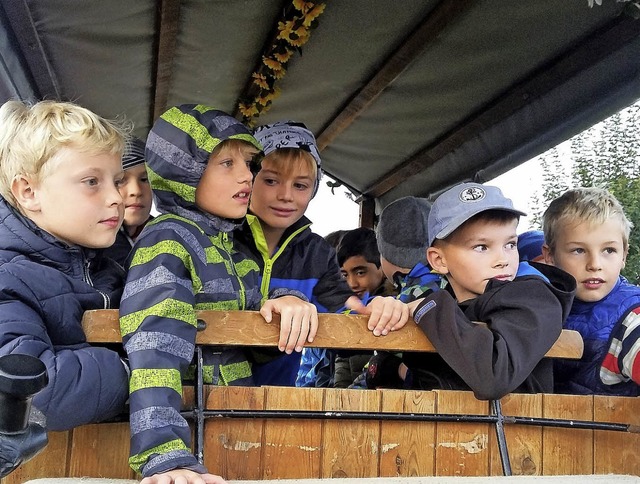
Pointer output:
x,y
496,409
413,417
198,411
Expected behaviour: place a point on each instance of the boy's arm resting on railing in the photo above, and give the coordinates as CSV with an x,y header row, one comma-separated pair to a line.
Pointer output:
x,y
341,331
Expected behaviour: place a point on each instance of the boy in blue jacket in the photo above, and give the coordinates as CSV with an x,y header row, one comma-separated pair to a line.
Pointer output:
x,y
278,237
198,163
60,167
587,234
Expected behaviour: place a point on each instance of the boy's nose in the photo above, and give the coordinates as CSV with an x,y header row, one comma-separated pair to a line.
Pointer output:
x,y
244,173
594,263
285,192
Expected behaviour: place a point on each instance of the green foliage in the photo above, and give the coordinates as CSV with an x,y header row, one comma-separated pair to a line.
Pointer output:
x,y
606,155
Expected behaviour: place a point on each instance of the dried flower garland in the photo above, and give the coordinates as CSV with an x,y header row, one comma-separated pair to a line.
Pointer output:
x,y
294,30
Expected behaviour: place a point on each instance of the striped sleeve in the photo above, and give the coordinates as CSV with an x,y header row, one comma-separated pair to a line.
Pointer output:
x,y
158,326
622,362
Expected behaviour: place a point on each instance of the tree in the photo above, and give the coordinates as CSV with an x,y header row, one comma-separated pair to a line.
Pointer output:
x,y
607,155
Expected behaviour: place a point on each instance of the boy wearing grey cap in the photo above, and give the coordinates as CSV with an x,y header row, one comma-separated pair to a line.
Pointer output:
x,y
473,243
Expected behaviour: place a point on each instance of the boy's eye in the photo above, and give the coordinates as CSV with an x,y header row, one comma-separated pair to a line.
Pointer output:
x,y
144,179
301,186
226,163
92,182
610,250
361,273
480,248
270,181
512,245
577,250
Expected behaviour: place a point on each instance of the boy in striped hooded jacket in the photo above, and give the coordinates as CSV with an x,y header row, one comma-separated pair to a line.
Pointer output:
x,y
198,162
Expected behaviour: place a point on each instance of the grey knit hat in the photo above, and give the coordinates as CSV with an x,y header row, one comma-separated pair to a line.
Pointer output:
x,y
133,153
402,232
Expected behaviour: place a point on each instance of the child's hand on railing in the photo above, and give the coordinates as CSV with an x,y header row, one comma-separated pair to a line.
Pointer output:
x,y
385,314
298,321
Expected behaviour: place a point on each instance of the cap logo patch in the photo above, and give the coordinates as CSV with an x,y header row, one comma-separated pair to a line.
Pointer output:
x,y
472,194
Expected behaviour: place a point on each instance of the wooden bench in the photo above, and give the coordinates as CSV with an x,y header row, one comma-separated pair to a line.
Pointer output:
x,y
295,433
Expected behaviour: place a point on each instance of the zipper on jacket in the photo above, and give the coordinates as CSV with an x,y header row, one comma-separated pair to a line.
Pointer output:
x,y
86,265
226,243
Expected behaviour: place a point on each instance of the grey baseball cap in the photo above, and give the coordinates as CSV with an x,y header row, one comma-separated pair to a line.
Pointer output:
x,y
458,204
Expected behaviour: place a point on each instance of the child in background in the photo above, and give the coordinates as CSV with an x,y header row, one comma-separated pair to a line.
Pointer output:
x,y
359,261
198,161
137,197
60,166
473,243
403,259
587,235
278,237
530,246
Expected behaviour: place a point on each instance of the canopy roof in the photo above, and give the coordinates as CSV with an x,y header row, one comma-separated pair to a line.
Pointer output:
x,y
405,97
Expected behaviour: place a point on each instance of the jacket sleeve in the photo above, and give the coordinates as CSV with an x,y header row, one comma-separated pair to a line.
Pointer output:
x,y
158,326
87,384
523,319
622,361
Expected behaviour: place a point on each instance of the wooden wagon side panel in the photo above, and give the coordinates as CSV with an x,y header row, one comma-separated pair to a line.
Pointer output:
x,y
524,442
407,449
617,451
292,447
233,447
568,451
101,450
53,461
350,446
462,449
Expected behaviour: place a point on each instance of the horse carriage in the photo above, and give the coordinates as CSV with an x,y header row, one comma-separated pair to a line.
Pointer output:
x,y
405,98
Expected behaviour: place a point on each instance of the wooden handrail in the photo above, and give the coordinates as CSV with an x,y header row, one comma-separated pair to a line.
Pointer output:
x,y
338,331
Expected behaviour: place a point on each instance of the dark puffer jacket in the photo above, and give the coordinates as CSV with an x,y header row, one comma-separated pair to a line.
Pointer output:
x,y
45,287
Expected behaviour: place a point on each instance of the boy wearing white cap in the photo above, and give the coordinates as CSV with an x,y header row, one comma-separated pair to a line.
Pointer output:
x,y
473,243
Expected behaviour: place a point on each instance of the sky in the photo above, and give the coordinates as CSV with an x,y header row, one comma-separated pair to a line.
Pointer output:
x,y
330,212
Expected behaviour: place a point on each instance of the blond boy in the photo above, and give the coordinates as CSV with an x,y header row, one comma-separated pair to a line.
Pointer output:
x,y
60,166
587,234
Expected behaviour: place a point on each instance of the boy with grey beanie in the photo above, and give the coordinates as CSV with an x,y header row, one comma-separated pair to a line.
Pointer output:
x,y
402,241
473,243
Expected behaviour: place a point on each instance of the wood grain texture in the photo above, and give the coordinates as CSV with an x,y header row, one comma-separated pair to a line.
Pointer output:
x,y
340,331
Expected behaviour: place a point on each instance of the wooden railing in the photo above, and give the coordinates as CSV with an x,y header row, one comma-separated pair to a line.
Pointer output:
x,y
281,443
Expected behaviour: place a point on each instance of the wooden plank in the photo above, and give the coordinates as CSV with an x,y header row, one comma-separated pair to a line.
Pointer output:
x,y
462,448
616,451
292,447
340,331
233,447
407,448
101,450
567,451
350,446
523,441
51,462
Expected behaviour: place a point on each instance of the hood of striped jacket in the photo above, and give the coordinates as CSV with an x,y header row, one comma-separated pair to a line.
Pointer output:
x,y
177,152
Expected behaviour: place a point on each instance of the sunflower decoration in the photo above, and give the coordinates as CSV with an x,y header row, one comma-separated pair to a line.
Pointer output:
x,y
293,31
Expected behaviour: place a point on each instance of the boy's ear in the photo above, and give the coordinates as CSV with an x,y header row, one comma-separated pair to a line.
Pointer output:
x,y
437,260
546,253
23,190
